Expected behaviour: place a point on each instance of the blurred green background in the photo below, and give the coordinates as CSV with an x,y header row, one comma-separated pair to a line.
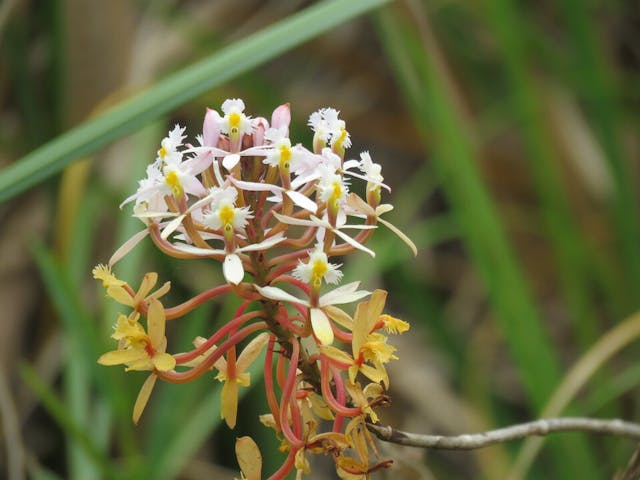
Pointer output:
x,y
508,131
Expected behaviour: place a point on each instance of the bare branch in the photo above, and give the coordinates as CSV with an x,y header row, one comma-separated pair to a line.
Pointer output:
x,y
514,432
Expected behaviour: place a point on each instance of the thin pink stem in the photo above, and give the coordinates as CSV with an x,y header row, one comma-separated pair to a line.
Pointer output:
x,y
216,337
268,381
286,467
327,394
289,397
195,372
339,420
179,310
341,334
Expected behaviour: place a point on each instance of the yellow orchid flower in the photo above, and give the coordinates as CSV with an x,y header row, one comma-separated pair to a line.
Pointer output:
x,y
139,350
122,293
235,374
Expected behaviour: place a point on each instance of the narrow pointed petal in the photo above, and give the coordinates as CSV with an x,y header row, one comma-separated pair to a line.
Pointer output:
x,y
345,294
353,242
251,351
321,326
197,251
120,295
337,355
148,282
302,201
275,293
156,321
401,235
297,221
358,204
143,397
127,246
376,305
233,269
255,186
264,245
120,357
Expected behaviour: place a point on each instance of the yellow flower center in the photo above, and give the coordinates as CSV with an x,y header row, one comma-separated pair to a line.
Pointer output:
x,y
318,271
341,138
337,193
285,157
173,181
234,123
162,153
227,213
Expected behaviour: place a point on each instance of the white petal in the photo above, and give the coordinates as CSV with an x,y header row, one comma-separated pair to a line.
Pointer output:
x,y
172,225
302,201
400,234
233,269
345,294
296,221
275,293
263,245
354,243
255,186
200,252
127,246
230,161
355,202
321,326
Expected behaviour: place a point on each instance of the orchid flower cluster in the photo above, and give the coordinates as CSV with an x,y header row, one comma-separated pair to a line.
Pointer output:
x,y
273,213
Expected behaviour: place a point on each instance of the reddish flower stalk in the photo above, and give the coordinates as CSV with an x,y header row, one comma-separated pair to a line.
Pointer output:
x,y
236,198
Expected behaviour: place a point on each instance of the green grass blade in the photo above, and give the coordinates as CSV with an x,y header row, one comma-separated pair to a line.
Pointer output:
x,y
524,95
78,323
59,411
177,89
594,82
433,111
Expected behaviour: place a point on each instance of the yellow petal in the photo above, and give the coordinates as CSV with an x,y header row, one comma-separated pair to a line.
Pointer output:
x,y
249,458
229,407
161,291
156,320
336,354
148,282
321,326
143,397
339,316
251,351
376,305
377,375
120,295
163,362
117,357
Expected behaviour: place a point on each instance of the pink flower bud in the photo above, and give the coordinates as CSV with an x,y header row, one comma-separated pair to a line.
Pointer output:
x,y
281,117
260,125
211,128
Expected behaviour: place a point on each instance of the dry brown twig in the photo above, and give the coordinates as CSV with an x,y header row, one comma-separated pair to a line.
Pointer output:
x,y
480,440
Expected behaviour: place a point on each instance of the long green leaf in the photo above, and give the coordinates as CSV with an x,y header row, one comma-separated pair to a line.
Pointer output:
x,y
59,411
178,89
479,222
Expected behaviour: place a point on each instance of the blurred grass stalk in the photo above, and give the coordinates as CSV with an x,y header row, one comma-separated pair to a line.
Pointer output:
x,y
448,132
